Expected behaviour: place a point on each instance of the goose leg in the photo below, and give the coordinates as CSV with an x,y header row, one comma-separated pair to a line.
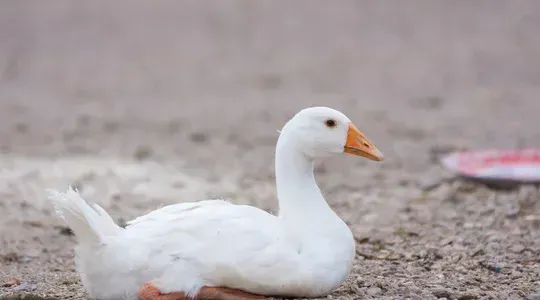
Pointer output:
x,y
150,292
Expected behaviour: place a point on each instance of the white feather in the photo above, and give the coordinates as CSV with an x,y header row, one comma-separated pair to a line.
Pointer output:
x,y
89,221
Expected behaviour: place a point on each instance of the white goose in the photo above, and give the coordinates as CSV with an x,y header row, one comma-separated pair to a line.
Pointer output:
x,y
213,249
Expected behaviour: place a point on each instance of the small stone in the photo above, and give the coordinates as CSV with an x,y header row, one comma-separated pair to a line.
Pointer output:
x,y
21,127
11,282
404,182
11,257
494,238
469,225
142,152
477,252
515,274
198,137
64,230
33,223
374,291
271,81
432,254
428,103
110,126
447,241
441,292
403,232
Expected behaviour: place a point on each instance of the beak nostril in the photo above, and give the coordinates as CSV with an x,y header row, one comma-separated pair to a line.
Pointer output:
x,y
366,145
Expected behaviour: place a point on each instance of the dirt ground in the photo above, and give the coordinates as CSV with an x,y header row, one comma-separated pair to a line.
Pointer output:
x,y
146,103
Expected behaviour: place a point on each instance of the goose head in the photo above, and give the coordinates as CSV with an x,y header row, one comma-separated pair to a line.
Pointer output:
x,y
322,132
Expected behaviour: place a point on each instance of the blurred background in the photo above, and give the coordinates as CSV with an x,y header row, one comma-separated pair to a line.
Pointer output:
x,y
144,103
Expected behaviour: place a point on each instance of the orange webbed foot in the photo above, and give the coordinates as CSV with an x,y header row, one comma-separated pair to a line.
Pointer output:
x,y
150,292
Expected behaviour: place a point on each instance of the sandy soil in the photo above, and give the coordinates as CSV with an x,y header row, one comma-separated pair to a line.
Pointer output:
x,y
143,103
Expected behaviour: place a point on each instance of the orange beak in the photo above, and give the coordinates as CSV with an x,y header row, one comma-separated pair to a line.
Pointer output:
x,y
358,144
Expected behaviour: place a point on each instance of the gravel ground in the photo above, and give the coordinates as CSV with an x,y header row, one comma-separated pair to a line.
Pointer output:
x,y
144,104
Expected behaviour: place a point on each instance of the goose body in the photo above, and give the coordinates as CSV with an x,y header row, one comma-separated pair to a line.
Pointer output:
x,y
211,249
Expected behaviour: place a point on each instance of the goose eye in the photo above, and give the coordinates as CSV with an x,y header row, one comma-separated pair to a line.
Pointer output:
x,y
330,123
